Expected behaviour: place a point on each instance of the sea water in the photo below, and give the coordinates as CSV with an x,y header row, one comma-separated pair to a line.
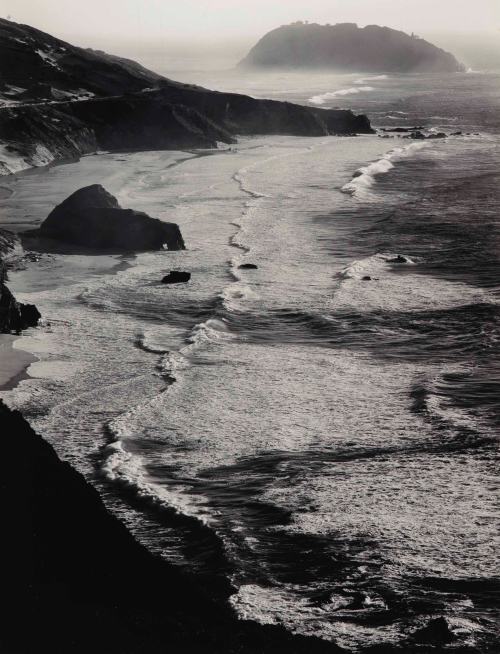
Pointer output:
x,y
321,431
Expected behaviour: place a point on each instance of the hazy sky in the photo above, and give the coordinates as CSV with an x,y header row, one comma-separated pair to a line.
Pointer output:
x,y
211,19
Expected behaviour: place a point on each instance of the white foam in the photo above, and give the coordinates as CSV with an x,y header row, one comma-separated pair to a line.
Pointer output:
x,y
392,292
375,78
234,295
288,605
212,330
365,176
353,90
127,470
375,264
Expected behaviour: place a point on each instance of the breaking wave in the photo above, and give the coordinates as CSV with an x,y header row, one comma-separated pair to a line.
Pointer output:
x,y
365,177
353,90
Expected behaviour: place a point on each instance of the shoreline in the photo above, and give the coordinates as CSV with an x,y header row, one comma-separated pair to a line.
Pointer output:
x,y
15,362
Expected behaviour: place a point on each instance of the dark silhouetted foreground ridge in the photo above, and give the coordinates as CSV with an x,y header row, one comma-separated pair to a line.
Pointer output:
x,y
74,580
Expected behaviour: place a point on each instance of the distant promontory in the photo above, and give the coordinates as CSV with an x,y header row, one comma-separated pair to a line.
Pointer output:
x,y
348,47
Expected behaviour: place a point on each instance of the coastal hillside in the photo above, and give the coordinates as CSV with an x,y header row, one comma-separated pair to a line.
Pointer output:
x,y
37,66
75,575
59,102
348,47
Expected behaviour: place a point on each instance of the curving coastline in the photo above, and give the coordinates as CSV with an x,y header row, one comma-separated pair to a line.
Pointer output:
x,y
58,102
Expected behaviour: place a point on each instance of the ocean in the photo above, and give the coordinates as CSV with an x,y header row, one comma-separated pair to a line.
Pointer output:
x,y
320,432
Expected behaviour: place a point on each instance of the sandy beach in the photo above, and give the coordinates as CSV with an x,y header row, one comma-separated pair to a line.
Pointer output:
x,y
15,362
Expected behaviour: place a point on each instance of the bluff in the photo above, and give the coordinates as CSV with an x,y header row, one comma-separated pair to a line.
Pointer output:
x,y
58,101
347,47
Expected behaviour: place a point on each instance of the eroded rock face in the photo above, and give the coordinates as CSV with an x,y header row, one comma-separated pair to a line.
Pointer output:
x,y
92,218
14,316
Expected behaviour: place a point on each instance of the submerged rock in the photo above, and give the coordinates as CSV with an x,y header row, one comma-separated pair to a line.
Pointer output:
x,y
176,277
403,129
436,632
419,136
91,217
248,266
398,259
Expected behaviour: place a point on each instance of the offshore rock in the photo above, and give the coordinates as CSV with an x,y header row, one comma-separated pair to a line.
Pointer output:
x,y
347,47
92,218
176,277
399,259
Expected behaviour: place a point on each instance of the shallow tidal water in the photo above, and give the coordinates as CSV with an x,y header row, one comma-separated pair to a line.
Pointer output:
x,y
326,442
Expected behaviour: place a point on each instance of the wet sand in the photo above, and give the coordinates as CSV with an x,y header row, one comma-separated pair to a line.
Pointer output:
x,y
14,362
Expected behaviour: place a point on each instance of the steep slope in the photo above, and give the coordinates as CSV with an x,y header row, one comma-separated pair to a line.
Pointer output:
x,y
75,581
36,66
347,47
60,102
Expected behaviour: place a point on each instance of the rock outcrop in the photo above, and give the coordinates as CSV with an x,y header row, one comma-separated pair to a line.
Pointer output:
x,y
248,266
75,580
61,102
436,632
14,316
176,277
347,47
92,218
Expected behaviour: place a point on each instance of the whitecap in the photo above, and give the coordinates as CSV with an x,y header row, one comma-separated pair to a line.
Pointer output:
x,y
321,99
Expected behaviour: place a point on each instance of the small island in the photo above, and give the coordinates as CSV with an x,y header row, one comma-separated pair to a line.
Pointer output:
x,y
347,47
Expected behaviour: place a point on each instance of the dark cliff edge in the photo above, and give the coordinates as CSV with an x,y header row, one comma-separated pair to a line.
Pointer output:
x,y
14,316
75,581
347,47
59,102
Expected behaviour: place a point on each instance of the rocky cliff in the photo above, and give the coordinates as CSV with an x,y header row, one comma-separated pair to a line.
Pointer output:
x,y
347,47
59,102
75,581
14,316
